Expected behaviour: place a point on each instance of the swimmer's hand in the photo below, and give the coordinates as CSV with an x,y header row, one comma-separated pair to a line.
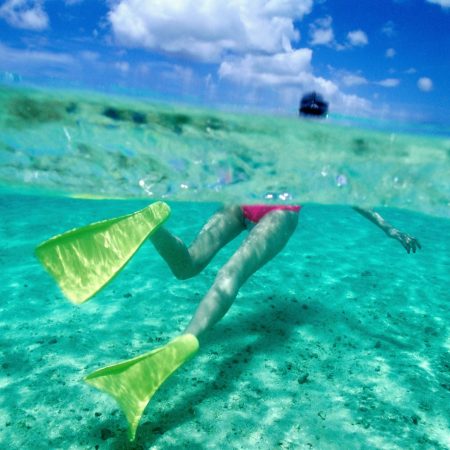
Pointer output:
x,y
409,242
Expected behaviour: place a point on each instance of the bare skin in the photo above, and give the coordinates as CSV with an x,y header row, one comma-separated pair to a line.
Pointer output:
x,y
408,242
264,241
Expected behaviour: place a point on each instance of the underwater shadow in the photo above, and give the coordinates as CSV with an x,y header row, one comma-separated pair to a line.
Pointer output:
x,y
229,369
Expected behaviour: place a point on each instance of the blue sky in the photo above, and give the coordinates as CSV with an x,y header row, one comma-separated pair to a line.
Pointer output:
x,y
385,58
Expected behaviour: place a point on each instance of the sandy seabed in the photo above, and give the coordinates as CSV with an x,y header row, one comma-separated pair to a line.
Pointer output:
x,y
341,342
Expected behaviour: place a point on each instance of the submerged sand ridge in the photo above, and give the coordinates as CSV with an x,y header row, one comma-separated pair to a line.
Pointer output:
x,y
91,144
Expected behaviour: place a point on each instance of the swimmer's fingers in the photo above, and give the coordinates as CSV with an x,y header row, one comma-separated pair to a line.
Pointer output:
x,y
415,244
409,242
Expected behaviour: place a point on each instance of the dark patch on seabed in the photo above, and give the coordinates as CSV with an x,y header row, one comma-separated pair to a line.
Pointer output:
x,y
172,121
25,110
29,111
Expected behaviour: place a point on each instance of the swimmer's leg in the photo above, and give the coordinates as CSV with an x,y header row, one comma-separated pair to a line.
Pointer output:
x,y
133,383
264,241
186,262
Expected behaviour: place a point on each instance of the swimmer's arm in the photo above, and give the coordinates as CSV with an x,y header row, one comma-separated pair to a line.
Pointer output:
x,y
409,242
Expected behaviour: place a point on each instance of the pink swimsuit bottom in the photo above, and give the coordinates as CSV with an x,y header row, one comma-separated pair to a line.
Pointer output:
x,y
254,213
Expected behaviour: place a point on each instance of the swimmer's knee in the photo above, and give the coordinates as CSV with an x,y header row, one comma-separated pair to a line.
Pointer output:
x,y
181,275
227,283
186,271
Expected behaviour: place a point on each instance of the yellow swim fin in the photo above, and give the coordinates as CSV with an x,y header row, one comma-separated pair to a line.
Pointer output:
x,y
82,261
133,383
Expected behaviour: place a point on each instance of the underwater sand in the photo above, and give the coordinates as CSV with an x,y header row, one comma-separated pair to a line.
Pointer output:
x,y
341,342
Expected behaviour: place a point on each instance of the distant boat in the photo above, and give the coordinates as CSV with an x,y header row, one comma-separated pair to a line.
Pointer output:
x,y
313,104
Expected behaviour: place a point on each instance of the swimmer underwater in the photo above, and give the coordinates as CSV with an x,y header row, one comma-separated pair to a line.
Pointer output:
x,y
106,246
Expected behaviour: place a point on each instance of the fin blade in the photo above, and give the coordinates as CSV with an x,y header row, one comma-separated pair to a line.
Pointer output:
x,y
133,383
82,261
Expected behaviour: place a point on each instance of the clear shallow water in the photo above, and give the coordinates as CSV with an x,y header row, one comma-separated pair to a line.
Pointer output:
x,y
342,341
88,144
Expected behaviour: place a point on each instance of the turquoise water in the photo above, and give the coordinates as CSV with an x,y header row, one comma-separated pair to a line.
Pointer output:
x,y
341,341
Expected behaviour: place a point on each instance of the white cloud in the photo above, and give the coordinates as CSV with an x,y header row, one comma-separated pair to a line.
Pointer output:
x,y
389,82
322,36
251,41
87,55
268,70
207,30
390,53
354,80
351,104
425,84
357,38
389,29
290,73
26,14
122,66
179,75
321,32
347,78
170,74
443,3
17,59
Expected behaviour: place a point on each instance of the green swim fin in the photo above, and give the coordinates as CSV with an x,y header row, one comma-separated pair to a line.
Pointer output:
x,y
133,383
83,260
